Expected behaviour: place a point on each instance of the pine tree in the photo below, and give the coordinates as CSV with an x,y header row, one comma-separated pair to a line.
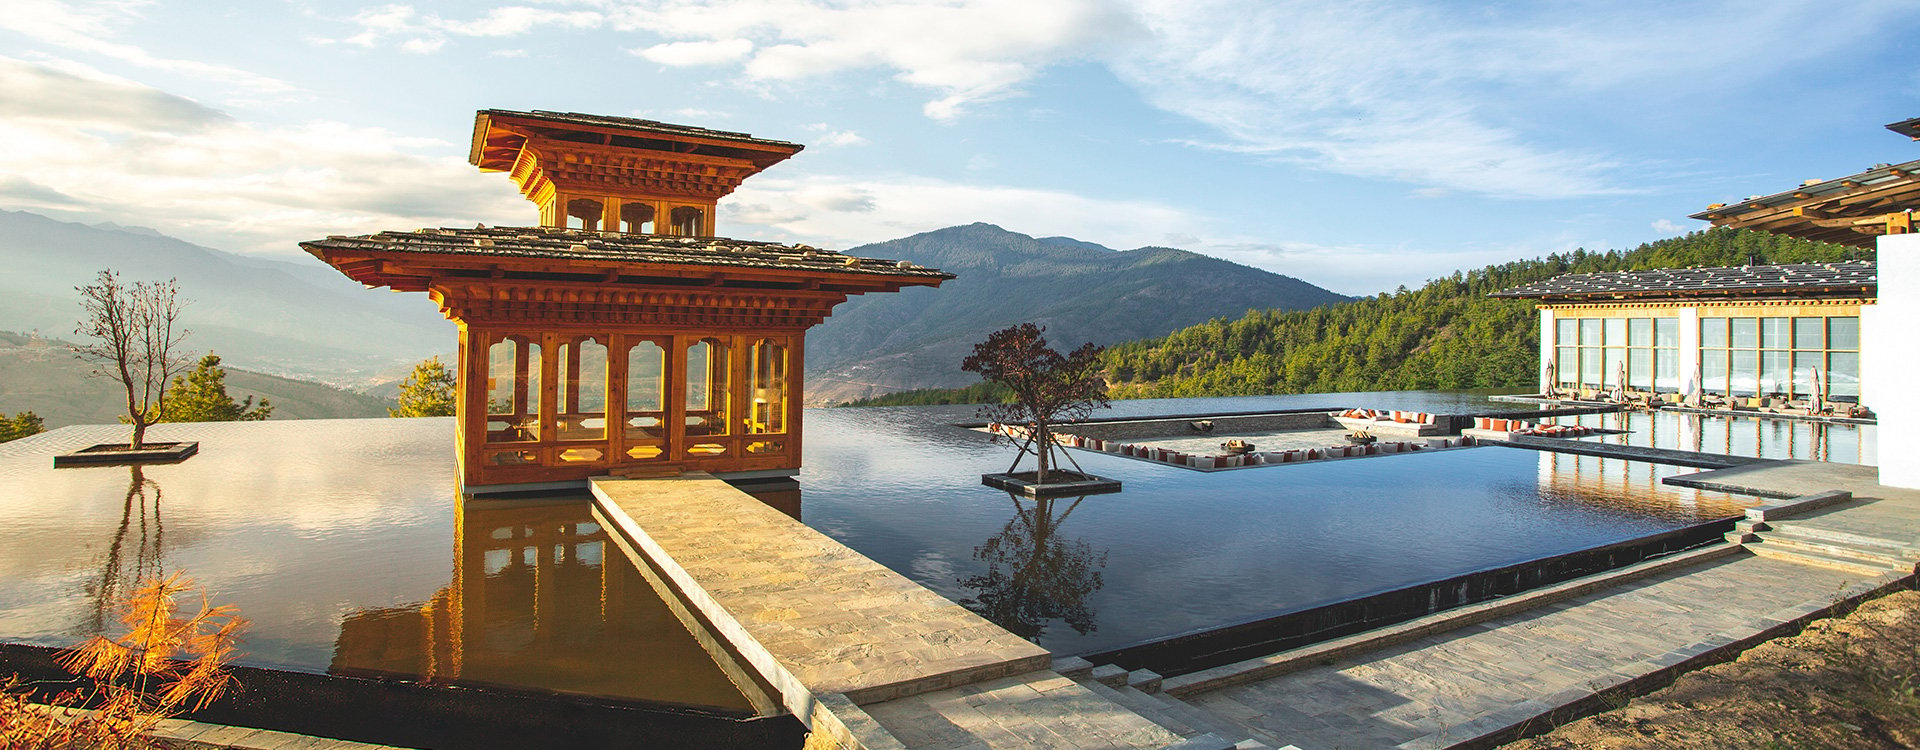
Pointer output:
x,y
20,425
428,392
201,396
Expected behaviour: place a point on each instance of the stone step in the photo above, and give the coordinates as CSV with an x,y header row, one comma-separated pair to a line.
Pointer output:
x,y
1878,555
1144,705
1224,726
1810,557
1804,531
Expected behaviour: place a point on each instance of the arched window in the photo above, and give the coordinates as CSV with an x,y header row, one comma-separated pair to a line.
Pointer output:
x,y
636,218
646,400
707,395
584,213
513,390
688,221
769,388
582,413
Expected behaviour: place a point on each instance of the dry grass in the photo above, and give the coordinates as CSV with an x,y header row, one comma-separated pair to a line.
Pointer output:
x,y
168,662
1843,682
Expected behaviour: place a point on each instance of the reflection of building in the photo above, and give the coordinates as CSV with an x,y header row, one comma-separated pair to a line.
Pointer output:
x,y
535,603
621,336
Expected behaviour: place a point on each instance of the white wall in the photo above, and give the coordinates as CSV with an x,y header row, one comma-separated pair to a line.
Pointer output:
x,y
1890,350
1547,342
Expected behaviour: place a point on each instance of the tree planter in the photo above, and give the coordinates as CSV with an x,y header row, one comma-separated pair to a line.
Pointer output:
x,y
115,454
1058,483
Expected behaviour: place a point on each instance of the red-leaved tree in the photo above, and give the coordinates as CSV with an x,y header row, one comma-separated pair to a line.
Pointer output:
x,y
1048,387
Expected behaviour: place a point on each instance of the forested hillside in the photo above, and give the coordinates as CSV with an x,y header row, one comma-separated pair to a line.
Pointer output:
x,y
1447,334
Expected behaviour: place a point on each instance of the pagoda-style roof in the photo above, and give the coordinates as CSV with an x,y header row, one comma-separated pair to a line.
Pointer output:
x,y
1855,279
408,261
1852,210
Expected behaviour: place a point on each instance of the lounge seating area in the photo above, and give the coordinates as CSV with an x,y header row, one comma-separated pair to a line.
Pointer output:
x,y
1385,423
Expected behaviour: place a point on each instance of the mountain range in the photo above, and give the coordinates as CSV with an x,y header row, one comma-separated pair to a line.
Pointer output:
x,y
301,319
1080,291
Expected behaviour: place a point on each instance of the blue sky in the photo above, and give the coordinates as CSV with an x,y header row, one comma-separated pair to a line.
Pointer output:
x,y
1358,145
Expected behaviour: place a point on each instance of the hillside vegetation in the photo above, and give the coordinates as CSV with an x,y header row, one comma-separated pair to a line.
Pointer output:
x,y
1448,334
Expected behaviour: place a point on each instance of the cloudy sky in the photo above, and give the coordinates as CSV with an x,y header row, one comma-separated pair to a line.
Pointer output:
x,y
1355,144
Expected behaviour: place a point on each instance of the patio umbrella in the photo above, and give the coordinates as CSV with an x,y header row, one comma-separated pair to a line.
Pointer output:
x,y
1551,376
1818,402
1693,391
1620,384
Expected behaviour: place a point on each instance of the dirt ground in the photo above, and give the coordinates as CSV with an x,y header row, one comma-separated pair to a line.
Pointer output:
x,y
1843,682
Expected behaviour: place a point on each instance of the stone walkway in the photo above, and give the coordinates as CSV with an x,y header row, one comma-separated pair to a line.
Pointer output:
x,y
1482,683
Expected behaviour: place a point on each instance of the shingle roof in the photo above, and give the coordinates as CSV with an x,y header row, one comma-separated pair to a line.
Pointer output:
x,y
1801,279
618,248
1846,211
633,123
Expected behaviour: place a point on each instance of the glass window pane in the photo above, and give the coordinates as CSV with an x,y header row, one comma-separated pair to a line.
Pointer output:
x,y
1843,374
1616,358
1775,372
1590,365
1804,363
1773,334
513,390
1807,333
1713,372
1566,364
1745,373
1566,332
1713,333
1640,332
1616,331
1666,371
1640,368
1843,333
707,388
1666,332
646,392
1590,332
769,388
1746,333
582,413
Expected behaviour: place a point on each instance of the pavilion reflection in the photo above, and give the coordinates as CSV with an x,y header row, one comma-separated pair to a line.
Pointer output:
x,y
541,599
1035,575
124,568
1631,488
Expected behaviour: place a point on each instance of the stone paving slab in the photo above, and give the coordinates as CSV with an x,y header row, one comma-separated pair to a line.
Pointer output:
x,y
1037,709
1451,687
837,622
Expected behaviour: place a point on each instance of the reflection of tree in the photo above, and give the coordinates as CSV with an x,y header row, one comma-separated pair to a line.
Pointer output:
x,y
1033,575
116,573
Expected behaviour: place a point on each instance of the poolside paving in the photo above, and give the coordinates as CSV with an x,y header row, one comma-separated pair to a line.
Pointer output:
x,y
1475,684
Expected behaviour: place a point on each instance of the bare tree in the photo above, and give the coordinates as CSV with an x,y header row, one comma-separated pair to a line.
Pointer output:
x,y
135,335
1048,387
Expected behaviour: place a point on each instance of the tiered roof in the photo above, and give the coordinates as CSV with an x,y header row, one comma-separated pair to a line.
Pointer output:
x,y
1847,278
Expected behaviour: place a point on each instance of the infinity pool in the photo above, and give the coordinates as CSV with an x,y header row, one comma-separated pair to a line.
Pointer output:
x,y
1737,436
345,544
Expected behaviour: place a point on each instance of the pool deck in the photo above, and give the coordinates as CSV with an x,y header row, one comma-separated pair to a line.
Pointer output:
x,y
1458,680
865,656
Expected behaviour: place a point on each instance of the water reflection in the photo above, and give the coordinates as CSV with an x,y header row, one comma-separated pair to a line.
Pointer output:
x,y
536,603
1738,436
122,571
1034,574
1631,489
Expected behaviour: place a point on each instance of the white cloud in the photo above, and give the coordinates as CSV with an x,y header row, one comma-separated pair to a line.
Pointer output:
x,y
1665,226
425,33
195,173
684,54
89,27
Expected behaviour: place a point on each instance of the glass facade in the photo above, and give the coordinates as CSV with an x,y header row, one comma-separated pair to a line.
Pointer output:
x,y
1792,357
1599,352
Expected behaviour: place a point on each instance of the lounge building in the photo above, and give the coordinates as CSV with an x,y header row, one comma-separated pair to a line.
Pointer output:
x,y
620,336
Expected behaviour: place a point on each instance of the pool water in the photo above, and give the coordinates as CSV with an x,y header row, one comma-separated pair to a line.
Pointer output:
x,y
345,545
344,542
1179,550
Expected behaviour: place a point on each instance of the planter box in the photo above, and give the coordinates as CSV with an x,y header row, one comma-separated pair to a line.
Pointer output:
x,y
116,454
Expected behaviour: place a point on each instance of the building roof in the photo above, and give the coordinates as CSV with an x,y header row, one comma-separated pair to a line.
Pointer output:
x,y
1846,278
405,260
1852,210
499,133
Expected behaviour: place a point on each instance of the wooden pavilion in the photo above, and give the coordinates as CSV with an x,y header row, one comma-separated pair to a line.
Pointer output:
x,y
632,342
